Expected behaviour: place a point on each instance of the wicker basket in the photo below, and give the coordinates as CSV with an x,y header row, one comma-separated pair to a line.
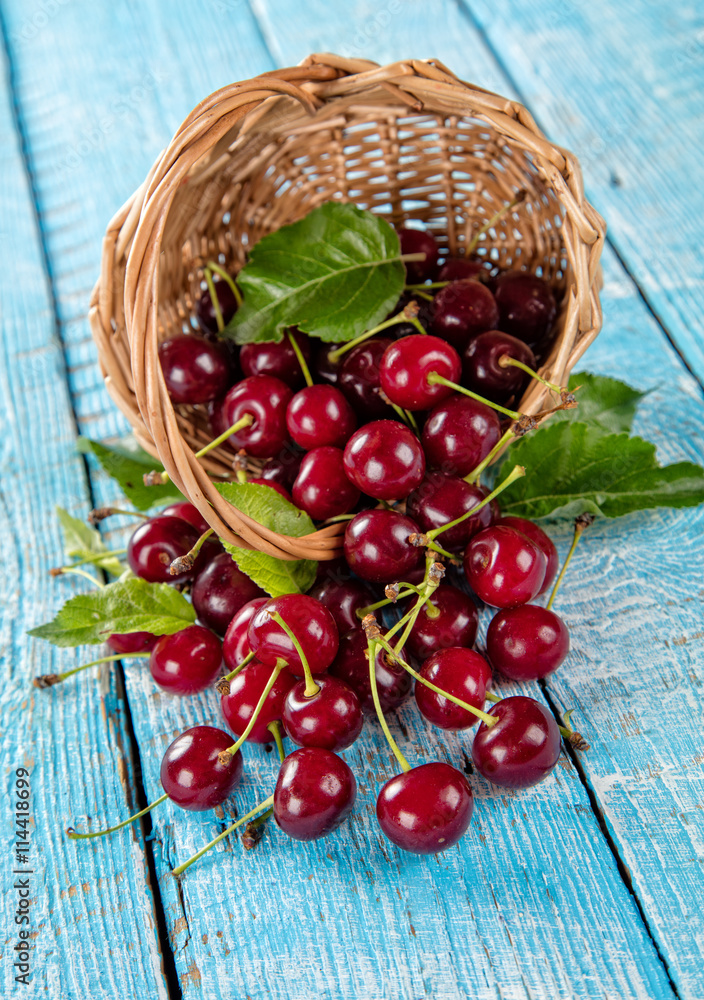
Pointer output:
x,y
409,141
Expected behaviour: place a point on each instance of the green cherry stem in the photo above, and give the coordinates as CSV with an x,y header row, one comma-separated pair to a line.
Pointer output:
x,y
473,476
162,478
126,822
570,734
433,575
311,687
228,279
408,314
301,360
266,804
100,513
434,547
434,378
275,730
580,526
423,286
182,564
94,560
371,656
490,696
224,755
223,685
516,473
506,361
497,217
371,608
71,571
49,680
214,299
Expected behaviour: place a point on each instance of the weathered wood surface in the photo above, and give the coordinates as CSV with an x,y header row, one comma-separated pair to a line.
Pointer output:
x,y
532,904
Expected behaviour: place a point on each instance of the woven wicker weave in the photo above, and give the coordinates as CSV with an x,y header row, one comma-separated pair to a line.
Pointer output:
x,y
411,142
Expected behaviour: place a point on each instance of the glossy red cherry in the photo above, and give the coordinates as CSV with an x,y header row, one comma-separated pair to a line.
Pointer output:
x,y
461,269
527,643
311,623
320,415
235,645
352,666
503,567
522,748
265,398
458,434
276,359
195,369
343,598
134,642
542,540
481,369
331,719
246,689
527,306
451,622
360,379
220,590
463,309
187,661
206,312
155,544
419,241
406,365
384,459
427,809
315,791
440,499
322,488
377,546
187,512
462,673
191,772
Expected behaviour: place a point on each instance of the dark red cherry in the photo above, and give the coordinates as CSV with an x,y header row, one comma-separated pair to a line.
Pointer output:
x,y
276,359
272,485
322,488
463,309
406,365
246,689
377,546
544,543
187,512
283,468
320,415
384,459
324,368
481,369
235,645
136,642
220,590
440,499
360,381
265,398
427,809
187,661
462,673
419,241
461,269
154,545
527,306
205,311
192,774
451,622
522,748
315,791
503,567
195,369
331,719
352,666
343,598
311,623
527,643
458,434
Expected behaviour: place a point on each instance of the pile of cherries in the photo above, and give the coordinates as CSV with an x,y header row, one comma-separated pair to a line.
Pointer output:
x,y
379,433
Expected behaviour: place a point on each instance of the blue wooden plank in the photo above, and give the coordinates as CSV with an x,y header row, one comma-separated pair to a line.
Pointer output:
x,y
76,750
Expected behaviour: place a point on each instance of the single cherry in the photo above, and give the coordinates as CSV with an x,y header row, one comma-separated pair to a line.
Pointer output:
x,y
384,459
195,369
265,399
377,546
522,748
458,434
544,543
427,809
481,369
462,673
527,643
360,378
352,666
322,488
452,621
220,590
276,359
311,623
343,598
187,661
315,791
331,719
134,642
419,241
320,415
503,567
246,689
461,269
406,365
235,645
155,544
527,306
192,774
440,499
463,309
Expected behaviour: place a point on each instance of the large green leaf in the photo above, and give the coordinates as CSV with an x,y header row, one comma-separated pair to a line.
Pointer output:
x,y
333,274
127,462
604,402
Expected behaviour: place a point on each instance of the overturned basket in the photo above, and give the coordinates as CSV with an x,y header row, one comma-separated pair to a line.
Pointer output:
x,y
409,141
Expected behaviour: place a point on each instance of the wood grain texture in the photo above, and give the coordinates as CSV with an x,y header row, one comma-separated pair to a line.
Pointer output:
x,y
86,906
532,904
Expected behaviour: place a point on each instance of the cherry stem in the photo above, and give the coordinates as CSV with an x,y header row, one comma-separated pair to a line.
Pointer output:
x,y
101,833
228,279
497,217
245,421
100,513
214,299
182,564
567,732
223,685
49,680
88,561
70,571
580,526
490,696
275,730
434,378
506,361
408,314
514,474
439,549
239,464
371,656
301,360
370,608
423,286
231,751
311,687
474,475
339,518
266,804
434,573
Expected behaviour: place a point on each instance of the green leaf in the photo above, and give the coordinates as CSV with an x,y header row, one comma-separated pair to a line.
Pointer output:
x,y
83,542
270,509
333,274
130,605
573,468
604,402
127,462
